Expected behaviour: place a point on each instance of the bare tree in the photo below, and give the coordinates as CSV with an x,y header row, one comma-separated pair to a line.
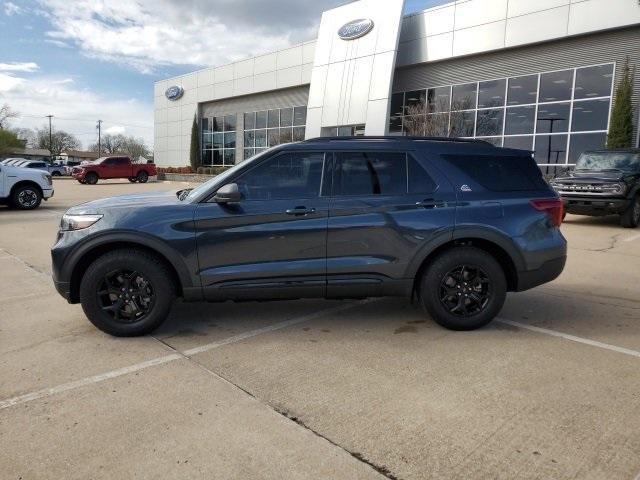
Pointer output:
x,y
112,144
434,119
6,114
60,141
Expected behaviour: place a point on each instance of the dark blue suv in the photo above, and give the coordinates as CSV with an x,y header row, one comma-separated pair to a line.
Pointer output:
x,y
456,224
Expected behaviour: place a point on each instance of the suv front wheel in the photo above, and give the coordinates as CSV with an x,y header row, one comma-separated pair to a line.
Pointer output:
x,y
127,293
464,288
631,218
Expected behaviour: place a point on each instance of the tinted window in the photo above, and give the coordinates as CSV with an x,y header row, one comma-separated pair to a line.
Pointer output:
x,y
371,173
462,124
439,99
300,116
551,148
522,90
556,86
464,96
261,119
397,102
489,122
521,143
286,117
491,94
249,121
590,115
289,175
419,180
584,142
500,174
594,82
520,120
553,118
274,118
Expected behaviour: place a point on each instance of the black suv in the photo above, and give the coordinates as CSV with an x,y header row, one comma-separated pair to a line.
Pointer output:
x,y
456,224
604,182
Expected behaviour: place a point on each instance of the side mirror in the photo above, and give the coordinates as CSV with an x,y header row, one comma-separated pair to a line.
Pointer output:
x,y
230,193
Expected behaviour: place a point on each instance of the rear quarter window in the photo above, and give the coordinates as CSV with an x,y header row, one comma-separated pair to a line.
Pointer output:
x,y
500,174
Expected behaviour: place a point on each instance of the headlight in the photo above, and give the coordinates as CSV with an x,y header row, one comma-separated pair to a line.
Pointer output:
x,y
47,178
615,188
77,222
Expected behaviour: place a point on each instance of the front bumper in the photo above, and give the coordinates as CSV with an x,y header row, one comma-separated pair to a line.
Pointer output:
x,y
47,194
595,206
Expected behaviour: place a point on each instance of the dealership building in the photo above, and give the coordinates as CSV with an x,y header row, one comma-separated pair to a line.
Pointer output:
x,y
537,75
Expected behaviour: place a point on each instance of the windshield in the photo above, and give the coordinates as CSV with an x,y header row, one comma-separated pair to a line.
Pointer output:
x,y
614,161
219,179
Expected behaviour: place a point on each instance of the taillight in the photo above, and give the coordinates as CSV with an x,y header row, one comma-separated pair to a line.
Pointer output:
x,y
553,207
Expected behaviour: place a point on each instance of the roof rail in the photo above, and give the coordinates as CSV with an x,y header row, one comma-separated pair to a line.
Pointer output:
x,y
398,138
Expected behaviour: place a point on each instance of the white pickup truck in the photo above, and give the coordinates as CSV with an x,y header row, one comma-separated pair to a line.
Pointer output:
x,y
24,188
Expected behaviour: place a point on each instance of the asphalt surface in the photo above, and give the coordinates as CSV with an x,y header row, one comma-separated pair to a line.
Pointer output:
x,y
318,389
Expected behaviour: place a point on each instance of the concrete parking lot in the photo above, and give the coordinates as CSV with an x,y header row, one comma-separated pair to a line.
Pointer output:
x,y
317,389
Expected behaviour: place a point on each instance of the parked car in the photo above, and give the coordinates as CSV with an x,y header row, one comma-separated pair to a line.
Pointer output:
x,y
54,170
24,188
604,182
455,223
113,167
68,166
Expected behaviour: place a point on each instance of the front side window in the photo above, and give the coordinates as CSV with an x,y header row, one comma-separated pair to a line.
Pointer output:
x,y
294,175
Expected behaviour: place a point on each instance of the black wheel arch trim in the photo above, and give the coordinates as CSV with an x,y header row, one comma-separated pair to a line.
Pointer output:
x,y
132,239
447,236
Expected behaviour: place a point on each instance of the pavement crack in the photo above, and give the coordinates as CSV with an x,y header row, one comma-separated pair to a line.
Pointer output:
x,y
26,264
381,469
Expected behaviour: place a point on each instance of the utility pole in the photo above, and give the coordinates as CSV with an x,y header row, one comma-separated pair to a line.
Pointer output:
x,y
50,137
99,127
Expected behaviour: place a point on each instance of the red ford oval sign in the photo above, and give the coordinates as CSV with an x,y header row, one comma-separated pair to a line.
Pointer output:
x,y
355,29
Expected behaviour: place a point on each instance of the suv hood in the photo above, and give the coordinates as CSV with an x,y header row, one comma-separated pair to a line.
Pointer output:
x,y
25,173
135,201
595,177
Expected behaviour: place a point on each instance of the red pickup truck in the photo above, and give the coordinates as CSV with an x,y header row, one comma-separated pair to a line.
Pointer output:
x,y
113,167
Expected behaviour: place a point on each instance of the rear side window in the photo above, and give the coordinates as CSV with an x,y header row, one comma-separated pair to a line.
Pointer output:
x,y
501,174
380,173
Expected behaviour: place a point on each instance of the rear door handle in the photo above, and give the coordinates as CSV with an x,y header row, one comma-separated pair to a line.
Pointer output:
x,y
300,211
430,204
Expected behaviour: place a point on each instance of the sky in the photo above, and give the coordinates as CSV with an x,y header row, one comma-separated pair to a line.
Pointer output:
x,y
89,60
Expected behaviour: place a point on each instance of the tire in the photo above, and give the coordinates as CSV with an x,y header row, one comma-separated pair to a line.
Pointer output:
x,y
91,178
55,174
142,177
26,197
101,293
133,179
631,218
445,276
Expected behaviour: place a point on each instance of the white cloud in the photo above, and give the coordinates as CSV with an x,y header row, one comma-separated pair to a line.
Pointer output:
x,y
148,33
115,130
11,9
28,67
75,109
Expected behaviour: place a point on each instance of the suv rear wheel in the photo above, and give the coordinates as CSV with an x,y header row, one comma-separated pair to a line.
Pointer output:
x,y
26,197
127,293
463,289
631,218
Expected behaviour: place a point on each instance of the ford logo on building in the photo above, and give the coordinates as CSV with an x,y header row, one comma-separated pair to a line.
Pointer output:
x,y
355,29
174,93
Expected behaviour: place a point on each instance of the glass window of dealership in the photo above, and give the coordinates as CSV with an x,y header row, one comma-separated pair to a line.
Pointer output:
x,y
557,114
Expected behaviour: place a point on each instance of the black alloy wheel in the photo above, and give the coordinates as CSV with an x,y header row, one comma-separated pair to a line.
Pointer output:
x,y
631,218
126,296
91,178
465,290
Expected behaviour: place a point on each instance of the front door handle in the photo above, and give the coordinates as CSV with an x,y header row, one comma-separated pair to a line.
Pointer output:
x,y
430,204
300,211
